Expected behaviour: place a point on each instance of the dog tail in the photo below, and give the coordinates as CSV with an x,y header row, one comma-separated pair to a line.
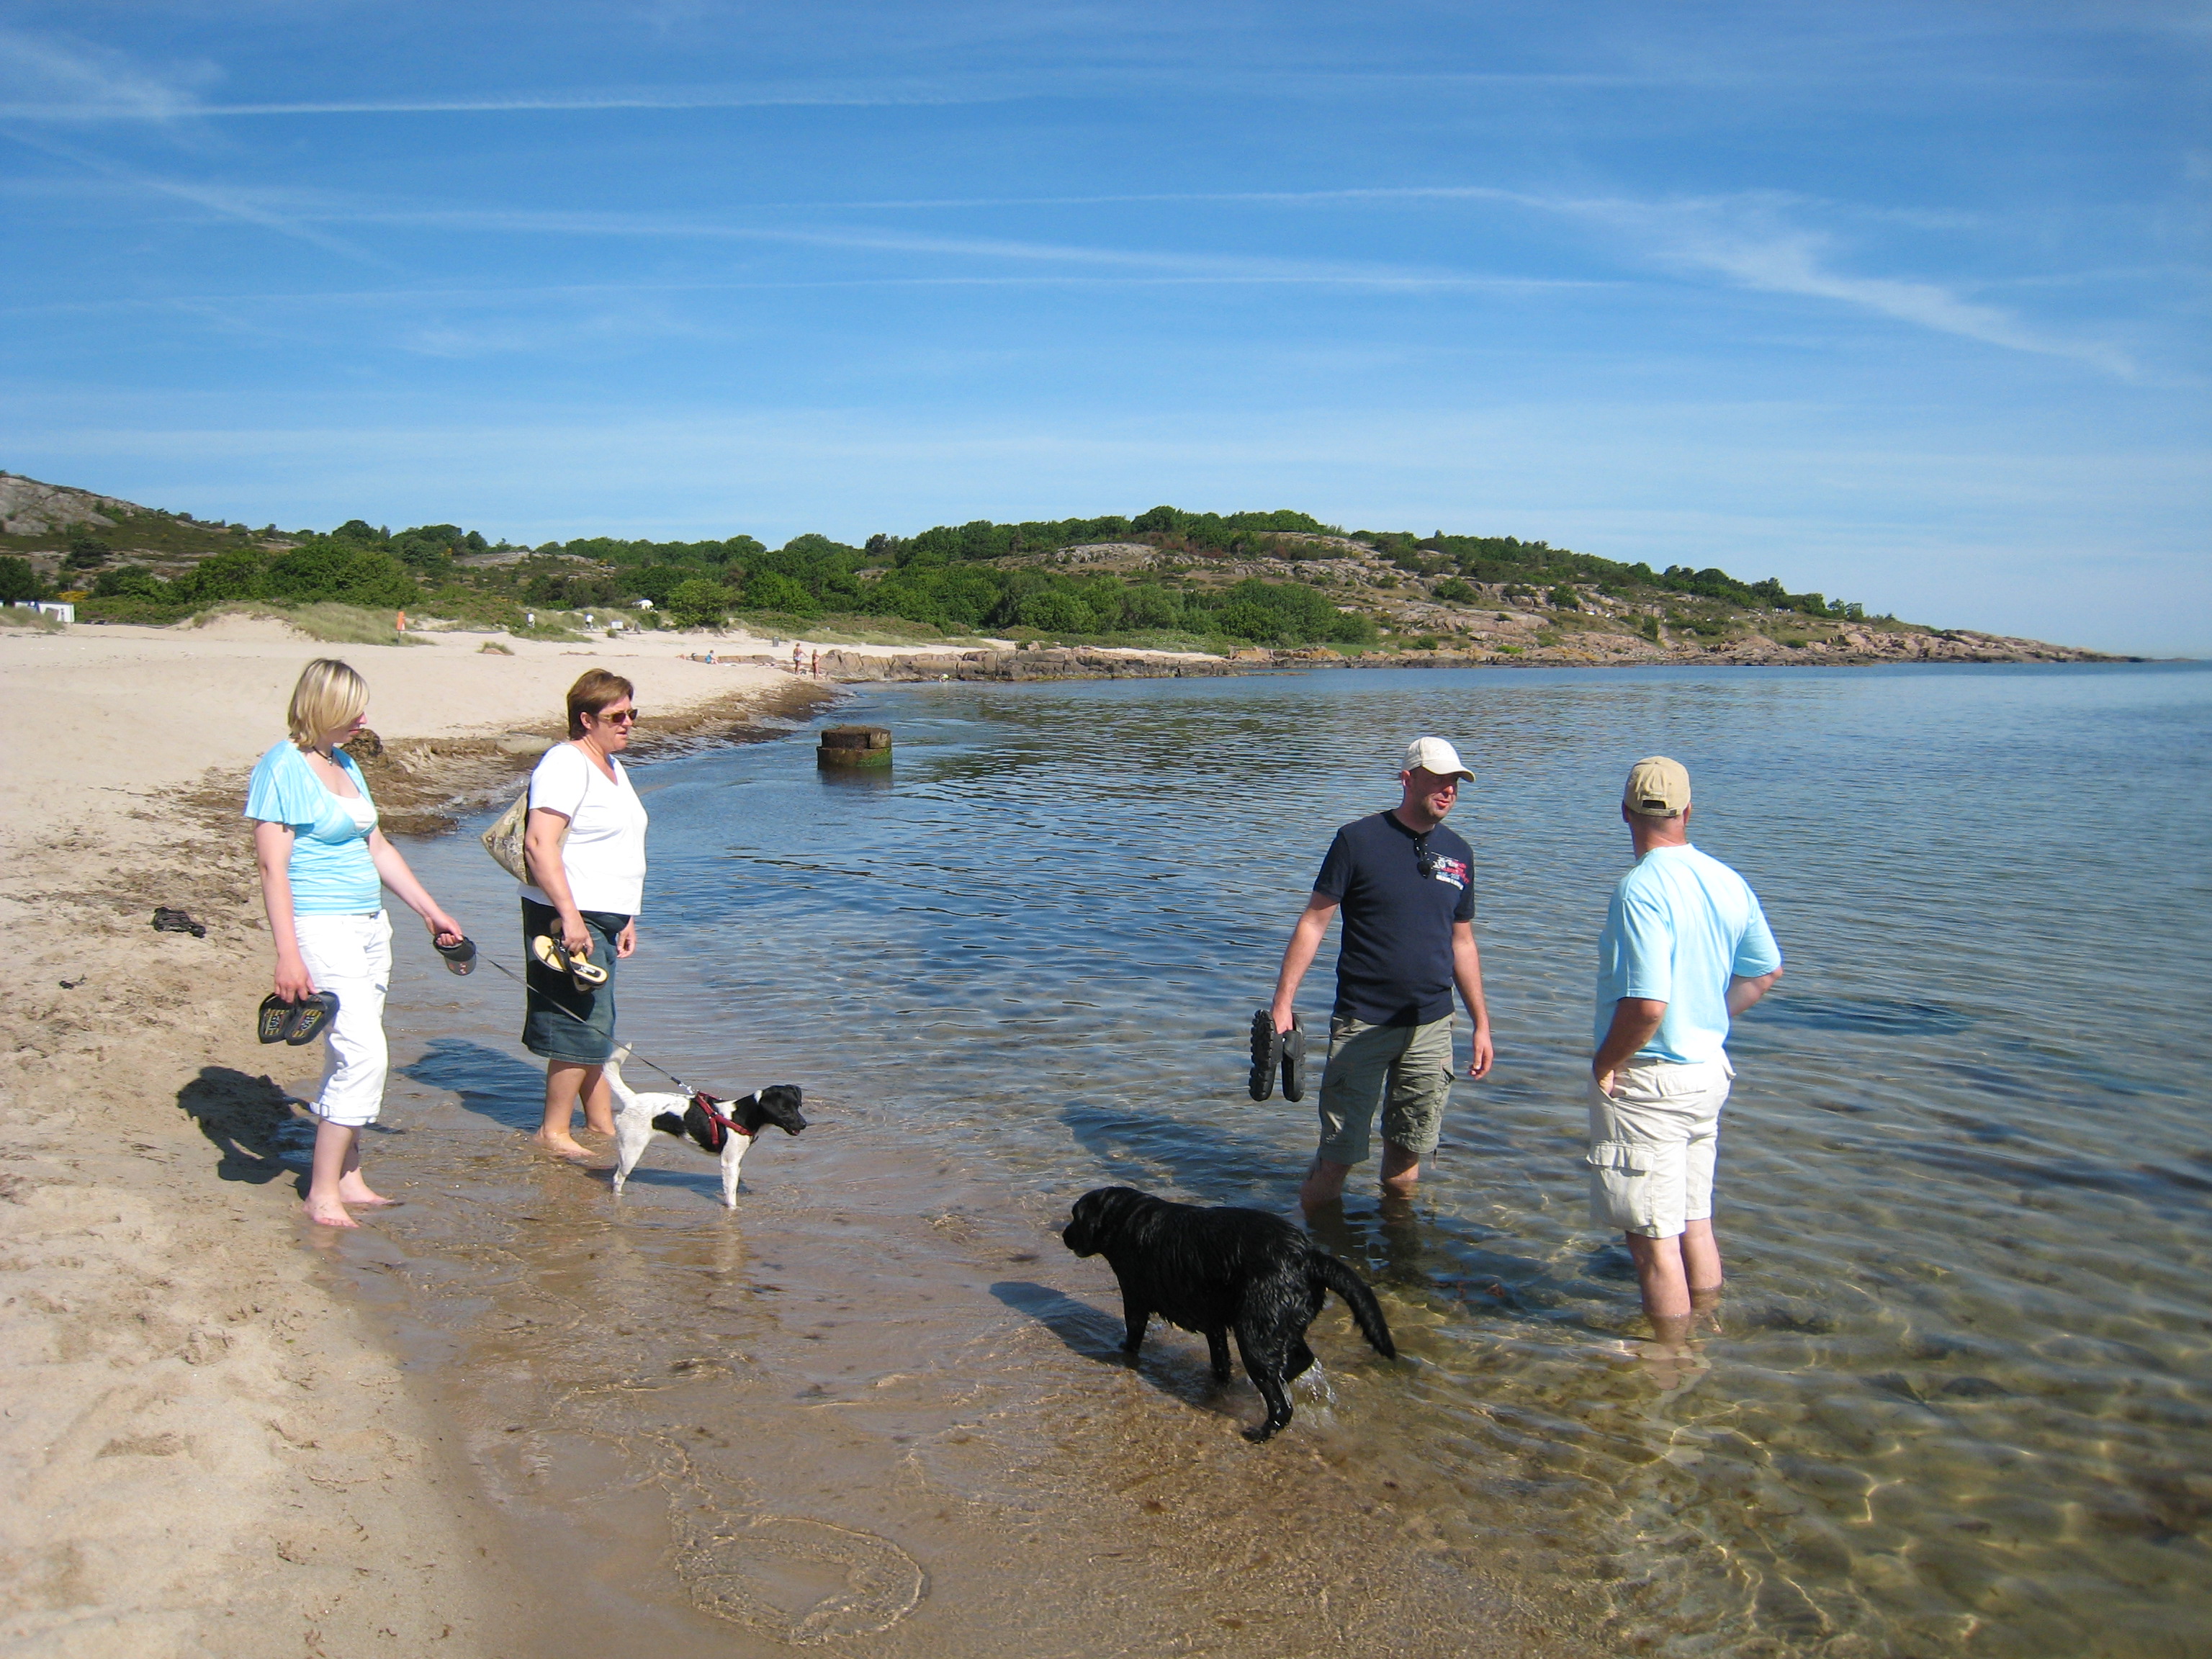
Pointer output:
x,y
612,1066
1357,1296
670,1123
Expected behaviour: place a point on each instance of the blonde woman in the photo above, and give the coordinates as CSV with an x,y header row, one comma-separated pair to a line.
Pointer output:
x,y
323,862
584,843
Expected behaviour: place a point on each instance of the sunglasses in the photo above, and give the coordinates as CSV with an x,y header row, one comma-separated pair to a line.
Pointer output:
x,y
617,716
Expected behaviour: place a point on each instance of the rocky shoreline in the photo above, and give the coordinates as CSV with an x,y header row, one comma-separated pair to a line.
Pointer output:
x,y
1851,646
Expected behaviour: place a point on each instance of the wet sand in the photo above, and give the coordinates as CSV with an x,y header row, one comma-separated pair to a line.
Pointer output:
x,y
881,1408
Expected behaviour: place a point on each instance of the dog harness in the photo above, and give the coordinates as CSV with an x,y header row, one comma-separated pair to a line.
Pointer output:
x,y
720,1128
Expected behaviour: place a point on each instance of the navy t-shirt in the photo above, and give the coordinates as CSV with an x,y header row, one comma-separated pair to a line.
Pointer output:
x,y
1393,965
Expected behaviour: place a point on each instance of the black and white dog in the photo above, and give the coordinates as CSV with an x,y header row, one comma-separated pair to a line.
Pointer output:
x,y
724,1129
1214,1270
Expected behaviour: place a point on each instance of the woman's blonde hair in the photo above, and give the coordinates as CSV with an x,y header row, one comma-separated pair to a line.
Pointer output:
x,y
328,696
593,691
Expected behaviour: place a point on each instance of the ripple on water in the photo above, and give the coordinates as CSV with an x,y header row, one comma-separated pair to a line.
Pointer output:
x,y
1960,1398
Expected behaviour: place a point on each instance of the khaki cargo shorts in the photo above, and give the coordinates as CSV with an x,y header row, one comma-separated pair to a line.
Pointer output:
x,y
1405,1070
1652,1143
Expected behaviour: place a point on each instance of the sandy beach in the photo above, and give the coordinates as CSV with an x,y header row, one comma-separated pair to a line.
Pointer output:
x,y
202,1448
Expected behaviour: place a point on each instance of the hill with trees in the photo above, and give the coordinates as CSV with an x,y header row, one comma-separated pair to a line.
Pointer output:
x,y
1281,580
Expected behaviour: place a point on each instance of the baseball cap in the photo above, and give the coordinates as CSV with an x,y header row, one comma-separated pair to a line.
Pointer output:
x,y
1435,754
1657,787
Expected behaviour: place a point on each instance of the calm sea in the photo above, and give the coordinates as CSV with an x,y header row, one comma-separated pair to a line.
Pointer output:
x,y
1962,1400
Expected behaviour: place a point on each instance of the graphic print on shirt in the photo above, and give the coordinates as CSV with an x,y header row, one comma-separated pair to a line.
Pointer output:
x,y
1450,870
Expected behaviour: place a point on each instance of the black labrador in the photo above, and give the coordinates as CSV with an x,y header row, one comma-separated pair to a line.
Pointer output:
x,y
1214,1270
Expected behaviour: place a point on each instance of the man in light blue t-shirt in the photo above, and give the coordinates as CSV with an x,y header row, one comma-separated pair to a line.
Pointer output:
x,y
1686,948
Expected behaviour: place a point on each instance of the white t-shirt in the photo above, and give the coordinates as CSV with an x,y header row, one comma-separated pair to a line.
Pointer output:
x,y
605,854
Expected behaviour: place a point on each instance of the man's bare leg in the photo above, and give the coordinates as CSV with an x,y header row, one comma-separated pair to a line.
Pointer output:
x,y
1402,1170
1664,1276
1701,1268
1324,1184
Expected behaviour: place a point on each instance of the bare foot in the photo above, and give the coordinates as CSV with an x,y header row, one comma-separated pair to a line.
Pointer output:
x,y
561,1146
1673,1365
327,1213
353,1190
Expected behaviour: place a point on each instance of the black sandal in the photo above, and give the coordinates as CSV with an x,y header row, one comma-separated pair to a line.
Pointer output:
x,y
1266,1053
275,1018
310,1014
1294,1059
460,956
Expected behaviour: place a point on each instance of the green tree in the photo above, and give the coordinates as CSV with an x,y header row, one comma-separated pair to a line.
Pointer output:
x,y
772,590
1056,611
129,582
658,582
233,575
1563,599
17,581
699,603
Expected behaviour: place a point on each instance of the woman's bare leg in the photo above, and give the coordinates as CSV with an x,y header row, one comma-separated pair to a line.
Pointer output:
x,y
337,1156
566,1081
598,1102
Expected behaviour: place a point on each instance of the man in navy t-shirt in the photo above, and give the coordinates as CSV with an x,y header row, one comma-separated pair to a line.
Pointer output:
x,y
1405,886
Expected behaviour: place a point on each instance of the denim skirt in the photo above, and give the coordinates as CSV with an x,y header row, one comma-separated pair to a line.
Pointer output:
x,y
559,1021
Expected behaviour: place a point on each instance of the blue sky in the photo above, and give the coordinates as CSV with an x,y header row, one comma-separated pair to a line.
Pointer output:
x,y
1905,304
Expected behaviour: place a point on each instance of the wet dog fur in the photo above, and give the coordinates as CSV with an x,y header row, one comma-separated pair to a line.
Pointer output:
x,y
637,1115
1215,1271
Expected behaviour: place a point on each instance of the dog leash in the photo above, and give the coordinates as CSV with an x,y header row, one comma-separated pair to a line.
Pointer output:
x,y
699,1095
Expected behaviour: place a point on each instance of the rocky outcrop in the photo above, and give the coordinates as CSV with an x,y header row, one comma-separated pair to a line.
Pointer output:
x,y
1853,647
28,508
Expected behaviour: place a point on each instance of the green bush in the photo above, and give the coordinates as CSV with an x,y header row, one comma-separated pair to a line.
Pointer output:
x,y
699,603
129,582
18,580
1455,590
772,590
1056,613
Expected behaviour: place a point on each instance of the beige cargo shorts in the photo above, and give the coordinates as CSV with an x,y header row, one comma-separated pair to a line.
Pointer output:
x,y
1652,1143
1405,1071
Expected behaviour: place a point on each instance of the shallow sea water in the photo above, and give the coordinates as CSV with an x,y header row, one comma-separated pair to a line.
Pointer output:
x,y
1961,1401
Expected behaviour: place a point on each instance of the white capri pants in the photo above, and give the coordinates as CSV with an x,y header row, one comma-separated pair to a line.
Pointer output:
x,y
1652,1143
350,955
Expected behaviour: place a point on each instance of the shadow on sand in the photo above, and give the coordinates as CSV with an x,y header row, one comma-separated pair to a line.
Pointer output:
x,y
250,1123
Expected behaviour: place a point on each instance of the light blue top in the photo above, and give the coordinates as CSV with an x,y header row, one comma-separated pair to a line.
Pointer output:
x,y
1680,924
331,871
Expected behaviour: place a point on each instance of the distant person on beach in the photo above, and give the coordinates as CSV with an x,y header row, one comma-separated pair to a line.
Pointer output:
x,y
1685,949
323,862
1405,886
584,843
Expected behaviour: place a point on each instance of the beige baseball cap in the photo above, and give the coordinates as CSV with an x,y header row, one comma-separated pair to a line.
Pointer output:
x,y
1435,754
1657,787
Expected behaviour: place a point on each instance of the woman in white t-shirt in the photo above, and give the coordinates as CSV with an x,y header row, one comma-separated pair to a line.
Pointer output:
x,y
585,848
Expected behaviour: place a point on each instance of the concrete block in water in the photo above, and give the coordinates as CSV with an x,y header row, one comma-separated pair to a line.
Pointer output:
x,y
854,745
